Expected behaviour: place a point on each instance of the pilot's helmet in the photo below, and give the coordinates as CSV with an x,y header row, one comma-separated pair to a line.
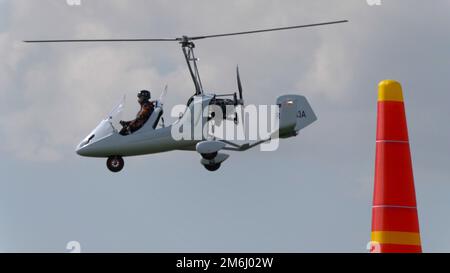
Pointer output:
x,y
144,94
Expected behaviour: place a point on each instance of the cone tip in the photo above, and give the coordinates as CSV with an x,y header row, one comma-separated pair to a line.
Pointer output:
x,y
390,90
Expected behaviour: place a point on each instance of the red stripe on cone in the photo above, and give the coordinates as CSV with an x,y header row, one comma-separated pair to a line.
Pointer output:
x,y
391,121
394,182
394,219
390,248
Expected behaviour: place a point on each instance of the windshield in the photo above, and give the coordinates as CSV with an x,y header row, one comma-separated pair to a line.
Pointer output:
x,y
115,115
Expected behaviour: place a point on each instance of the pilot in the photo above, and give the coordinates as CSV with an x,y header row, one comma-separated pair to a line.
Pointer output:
x,y
147,107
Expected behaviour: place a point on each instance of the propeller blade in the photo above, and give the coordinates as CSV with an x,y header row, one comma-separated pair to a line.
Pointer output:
x,y
266,30
241,98
239,85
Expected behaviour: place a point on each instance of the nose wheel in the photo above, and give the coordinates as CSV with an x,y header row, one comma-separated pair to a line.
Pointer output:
x,y
212,167
115,163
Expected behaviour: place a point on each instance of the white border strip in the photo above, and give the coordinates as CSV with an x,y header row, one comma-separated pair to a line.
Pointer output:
x,y
392,141
393,206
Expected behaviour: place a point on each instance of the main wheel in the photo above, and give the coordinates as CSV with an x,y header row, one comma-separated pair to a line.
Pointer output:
x,y
210,156
212,167
115,163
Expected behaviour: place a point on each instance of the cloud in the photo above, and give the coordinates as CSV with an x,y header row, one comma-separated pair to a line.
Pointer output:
x,y
52,95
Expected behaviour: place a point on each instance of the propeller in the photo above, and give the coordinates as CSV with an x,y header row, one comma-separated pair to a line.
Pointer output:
x,y
185,39
241,99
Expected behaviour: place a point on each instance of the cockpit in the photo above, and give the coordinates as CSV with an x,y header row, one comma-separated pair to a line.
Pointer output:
x,y
111,123
148,118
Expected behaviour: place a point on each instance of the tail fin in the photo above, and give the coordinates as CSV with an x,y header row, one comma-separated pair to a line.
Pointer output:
x,y
295,114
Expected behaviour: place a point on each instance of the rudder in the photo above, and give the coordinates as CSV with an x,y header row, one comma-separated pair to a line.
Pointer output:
x,y
295,114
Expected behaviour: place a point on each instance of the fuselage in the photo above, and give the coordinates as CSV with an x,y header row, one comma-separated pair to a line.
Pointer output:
x,y
105,140
155,141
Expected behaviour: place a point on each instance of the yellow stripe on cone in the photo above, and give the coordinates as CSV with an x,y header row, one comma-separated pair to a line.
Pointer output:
x,y
396,237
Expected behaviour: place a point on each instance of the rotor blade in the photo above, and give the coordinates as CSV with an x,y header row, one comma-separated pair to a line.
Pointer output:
x,y
239,84
101,40
184,38
266,30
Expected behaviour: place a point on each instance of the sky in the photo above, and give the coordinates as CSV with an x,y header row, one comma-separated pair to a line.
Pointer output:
x,y
313,194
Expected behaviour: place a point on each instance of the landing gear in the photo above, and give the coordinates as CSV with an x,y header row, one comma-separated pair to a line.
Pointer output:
x,y
115,163
210,156
212,167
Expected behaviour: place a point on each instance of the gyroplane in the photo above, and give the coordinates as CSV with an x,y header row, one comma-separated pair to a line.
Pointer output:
x,y
204,107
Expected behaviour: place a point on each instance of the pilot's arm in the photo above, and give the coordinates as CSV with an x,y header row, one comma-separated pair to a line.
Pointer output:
x,y
125,123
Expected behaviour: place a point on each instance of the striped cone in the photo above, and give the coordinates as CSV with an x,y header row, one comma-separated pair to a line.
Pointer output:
x,y
395,224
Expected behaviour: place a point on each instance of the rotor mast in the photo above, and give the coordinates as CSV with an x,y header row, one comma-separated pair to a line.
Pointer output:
x,y
191,61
